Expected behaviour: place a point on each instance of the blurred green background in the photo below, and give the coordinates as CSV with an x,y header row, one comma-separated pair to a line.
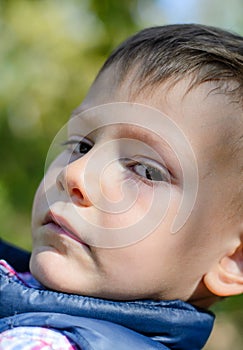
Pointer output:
x,y
50,51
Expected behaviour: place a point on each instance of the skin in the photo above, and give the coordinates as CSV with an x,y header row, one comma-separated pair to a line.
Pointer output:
x,y
162,265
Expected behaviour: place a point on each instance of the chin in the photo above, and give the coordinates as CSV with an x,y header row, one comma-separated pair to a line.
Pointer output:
x,y
48,268
53,271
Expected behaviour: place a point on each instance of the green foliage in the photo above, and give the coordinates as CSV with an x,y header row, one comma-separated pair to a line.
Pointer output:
x,y
50,52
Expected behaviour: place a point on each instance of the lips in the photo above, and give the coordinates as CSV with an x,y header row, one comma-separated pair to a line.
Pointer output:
x,y
59,225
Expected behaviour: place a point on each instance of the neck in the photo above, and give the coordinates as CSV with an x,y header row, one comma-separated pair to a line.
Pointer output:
x,y
203,298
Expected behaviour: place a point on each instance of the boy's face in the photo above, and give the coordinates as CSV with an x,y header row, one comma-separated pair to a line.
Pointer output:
x,y
125,176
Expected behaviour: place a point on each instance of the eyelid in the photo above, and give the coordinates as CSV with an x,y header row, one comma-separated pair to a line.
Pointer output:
x,y
149,162
73,140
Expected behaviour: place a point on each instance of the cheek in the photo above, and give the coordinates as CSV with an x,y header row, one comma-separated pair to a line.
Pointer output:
x,y
136,203
46,192
38,203
42,201
129,214
144,267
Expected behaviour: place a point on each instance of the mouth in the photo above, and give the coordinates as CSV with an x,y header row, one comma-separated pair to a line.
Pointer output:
x,y
60,226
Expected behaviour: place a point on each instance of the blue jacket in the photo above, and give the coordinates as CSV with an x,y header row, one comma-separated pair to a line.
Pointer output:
x,y
103,324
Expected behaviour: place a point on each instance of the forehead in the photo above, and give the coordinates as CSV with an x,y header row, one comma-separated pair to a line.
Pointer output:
x,y
206,116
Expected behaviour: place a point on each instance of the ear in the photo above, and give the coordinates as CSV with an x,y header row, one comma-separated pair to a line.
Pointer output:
x,y
226,277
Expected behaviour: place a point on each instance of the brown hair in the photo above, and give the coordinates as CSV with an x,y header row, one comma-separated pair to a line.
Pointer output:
x,y
174,51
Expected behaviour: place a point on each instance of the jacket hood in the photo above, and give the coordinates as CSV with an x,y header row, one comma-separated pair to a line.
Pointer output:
x,y
175,324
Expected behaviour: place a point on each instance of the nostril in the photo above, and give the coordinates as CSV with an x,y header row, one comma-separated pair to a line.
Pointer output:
x,y
77,193
68,181
78,198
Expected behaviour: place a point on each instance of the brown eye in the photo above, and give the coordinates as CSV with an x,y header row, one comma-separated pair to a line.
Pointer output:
x,y
82,147
148,169
78,147
150,173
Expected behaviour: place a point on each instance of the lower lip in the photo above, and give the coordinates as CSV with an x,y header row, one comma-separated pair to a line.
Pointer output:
x,y
58,229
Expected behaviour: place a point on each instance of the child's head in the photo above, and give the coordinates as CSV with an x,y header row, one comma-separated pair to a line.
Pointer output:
x,y
174,148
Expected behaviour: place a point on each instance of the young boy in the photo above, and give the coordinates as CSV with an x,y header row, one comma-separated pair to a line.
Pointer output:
x,y
137,226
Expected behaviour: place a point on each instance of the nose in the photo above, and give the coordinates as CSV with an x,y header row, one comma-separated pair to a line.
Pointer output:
x,y
71,181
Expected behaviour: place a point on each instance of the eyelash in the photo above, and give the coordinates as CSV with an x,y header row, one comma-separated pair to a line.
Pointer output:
x,y
128,163
156,170
71,143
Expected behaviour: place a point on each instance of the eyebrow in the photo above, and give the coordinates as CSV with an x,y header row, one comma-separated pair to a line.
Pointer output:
x,y
131,130
145,134
155,141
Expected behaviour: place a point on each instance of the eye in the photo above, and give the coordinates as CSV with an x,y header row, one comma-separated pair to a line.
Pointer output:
x,y
82,146
150,171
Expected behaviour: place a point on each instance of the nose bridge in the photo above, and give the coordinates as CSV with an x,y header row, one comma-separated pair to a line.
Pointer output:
x,y
74,171
91,177
71,180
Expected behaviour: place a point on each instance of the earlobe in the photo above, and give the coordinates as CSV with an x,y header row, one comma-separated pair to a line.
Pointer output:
x,y
226,277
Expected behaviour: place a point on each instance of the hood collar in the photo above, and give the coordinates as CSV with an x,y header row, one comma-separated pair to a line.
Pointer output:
x,y
174,323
